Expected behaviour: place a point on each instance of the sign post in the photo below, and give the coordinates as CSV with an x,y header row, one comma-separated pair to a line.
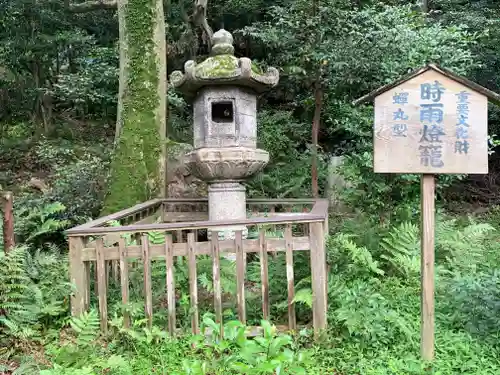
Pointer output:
x,y
427,192
430,122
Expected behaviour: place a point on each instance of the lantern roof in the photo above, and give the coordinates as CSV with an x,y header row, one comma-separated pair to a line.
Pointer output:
x,y
223,68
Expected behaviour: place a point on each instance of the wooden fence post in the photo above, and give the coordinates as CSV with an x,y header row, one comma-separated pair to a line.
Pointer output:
x,y
292,320
170,282
264,274
193,284
240,277
216,280
148,291
102,287
8,222
124,282
318,276
77,274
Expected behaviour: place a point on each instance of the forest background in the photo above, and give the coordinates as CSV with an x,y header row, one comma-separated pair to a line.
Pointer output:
x,y
59,86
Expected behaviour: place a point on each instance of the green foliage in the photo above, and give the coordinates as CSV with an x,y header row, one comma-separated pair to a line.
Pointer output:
x,y
385,195
94,84
288,173
352,260
18,313
373,291
35,225
34,293
473,304
80,187
75,353
58,78
86,327
237,354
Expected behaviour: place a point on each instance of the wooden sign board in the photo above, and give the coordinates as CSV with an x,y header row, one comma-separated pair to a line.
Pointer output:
x,y
431,124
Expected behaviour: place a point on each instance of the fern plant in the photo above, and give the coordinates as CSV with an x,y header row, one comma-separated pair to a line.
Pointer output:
x,y
459,247
76,351
18,309
401,250
349,259
35,225
86,327
462,248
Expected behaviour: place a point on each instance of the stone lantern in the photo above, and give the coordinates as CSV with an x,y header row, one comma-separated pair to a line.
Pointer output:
x,y
224,91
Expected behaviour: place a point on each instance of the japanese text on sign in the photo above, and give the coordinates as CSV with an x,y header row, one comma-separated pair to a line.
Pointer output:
x,y
431,116
430,124
400,129
462,133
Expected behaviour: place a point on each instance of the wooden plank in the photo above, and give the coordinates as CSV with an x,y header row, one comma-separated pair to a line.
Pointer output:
x,y
102,285
185,216
427,267
251,201
178,236
320,207
86,297
193,283
107,267
318,277
430,131
96,282
116,216
216,280
77,275
124,280
202,248
273,227
150,219
163,212
114,271
264,274
161,227
148,292
292,320
113,238
169,257
240,276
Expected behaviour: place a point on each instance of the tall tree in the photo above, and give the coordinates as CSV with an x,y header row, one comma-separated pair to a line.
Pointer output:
x,y
309,53
318,107
138,167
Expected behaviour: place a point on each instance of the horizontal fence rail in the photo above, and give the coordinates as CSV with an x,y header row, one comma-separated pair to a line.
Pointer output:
x,y
111,250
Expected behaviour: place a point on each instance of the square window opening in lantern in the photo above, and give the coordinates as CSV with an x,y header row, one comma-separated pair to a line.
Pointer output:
x,y
223,112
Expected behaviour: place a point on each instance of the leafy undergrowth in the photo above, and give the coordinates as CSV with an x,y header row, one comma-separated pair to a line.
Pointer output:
x,y
154,353
373,312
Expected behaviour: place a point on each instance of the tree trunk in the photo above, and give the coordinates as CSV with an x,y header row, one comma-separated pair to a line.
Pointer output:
x,y
425,6
318,106
8,222
138,164
318,100
122,78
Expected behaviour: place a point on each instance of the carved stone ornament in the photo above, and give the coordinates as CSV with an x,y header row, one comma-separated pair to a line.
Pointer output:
x,y
223,68
226,164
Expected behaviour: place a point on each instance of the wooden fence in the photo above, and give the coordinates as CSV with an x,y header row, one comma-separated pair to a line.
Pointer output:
x,y
95,245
